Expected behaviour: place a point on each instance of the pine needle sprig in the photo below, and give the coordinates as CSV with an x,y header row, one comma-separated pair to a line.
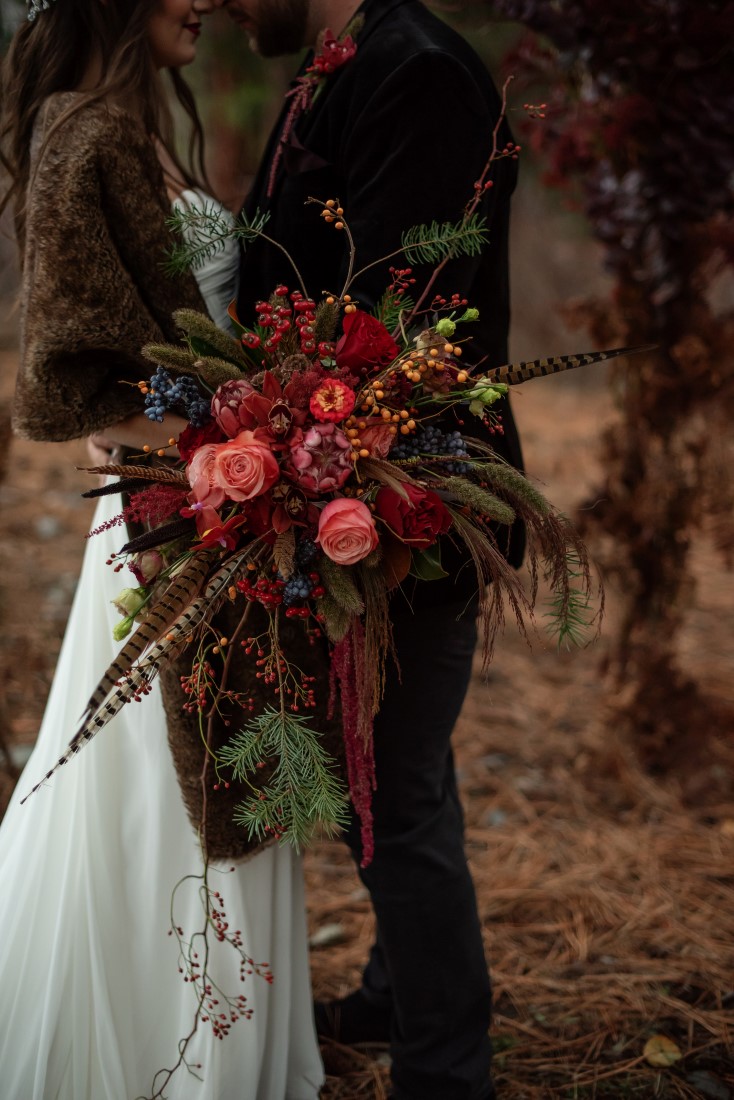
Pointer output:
x,y
439,241
304,790
571,614
391,308
204,231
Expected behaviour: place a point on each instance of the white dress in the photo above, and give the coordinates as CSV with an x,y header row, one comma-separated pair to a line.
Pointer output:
x,y
91,1001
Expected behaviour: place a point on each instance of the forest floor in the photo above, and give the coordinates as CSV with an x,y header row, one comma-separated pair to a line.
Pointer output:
x,y
606,893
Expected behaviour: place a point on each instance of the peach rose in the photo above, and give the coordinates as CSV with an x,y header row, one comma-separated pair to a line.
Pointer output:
x,y
244,468
347,531
200,472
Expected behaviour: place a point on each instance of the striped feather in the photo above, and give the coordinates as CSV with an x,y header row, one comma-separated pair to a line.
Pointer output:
x,y
198,610
146,473
120,685
123,693
180,592
514,373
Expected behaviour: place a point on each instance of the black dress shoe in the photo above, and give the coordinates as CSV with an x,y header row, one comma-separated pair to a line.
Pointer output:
x,y
353,1019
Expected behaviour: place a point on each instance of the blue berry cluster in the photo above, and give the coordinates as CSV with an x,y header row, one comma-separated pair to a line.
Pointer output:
x,y
298,587
432,440
165,392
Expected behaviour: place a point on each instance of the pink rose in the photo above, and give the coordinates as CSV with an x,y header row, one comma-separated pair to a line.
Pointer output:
x,y
244,468
347,531
200,472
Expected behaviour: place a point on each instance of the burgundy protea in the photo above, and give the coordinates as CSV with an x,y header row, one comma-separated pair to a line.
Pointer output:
x,y
228,407
319,459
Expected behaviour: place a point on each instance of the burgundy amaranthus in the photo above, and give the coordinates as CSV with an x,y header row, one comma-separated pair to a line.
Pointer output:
x,y
346,676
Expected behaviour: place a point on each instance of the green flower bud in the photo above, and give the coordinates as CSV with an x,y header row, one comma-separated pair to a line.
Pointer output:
x,y
485,394
446,328
469,315
130,601
123,628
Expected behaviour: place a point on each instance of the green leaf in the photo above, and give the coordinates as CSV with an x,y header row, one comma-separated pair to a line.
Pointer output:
x,y
426,564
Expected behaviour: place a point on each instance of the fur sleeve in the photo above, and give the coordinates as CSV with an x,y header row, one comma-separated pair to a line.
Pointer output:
x,y
93,291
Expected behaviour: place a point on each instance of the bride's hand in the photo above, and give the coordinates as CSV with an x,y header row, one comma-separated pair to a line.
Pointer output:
x,y
141,435
100,449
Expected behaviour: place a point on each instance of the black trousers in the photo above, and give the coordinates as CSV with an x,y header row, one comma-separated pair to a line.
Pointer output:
x,y
428,961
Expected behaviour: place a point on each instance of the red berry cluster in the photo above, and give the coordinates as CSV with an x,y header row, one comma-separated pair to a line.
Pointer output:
x,y
455,302
268,593
196,685
280,317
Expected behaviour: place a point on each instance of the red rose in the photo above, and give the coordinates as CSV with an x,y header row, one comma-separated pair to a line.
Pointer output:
x,y
419,520
192,438
366,343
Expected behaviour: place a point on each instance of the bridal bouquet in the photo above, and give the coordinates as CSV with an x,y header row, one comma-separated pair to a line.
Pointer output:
x,y
329,454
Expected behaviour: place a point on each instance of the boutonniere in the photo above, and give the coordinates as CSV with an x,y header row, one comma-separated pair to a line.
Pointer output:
x,y
331,54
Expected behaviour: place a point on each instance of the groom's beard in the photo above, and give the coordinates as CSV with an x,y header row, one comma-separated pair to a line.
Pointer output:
x,y
274,27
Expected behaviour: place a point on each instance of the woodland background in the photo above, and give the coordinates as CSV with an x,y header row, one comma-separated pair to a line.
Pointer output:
x,y
598,784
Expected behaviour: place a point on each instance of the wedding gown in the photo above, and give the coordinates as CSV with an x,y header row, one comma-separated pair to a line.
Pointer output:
x,y
92,1003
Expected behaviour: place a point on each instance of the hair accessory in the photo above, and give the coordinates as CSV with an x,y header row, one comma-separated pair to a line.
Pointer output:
x,y
35,6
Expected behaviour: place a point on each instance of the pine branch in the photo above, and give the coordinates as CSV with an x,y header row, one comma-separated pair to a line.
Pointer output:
x,y
391,307
571,614
204,231
434,243
303,791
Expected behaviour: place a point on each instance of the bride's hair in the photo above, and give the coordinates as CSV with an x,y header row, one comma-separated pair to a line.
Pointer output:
x,y
55,52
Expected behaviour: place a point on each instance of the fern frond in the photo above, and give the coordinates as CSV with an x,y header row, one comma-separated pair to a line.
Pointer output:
x,y
439,241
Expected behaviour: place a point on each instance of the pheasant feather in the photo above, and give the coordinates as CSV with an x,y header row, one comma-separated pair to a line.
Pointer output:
x,y
182,590
514,373
124,681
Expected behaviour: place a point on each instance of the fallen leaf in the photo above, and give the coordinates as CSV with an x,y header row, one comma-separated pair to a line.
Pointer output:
x,y
660,1051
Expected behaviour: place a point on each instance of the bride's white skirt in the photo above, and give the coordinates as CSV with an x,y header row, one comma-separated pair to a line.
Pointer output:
x,y
91,1001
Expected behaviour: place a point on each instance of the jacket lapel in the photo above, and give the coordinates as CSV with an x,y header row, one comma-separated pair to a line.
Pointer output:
x,y
295,154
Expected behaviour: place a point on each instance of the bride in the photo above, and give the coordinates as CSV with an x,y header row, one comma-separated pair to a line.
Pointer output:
x,y
93,1004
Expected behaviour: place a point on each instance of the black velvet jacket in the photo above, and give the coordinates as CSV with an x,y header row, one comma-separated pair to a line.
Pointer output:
x,y
398,135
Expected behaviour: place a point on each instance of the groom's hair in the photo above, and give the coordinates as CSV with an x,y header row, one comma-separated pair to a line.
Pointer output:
x,y
54,53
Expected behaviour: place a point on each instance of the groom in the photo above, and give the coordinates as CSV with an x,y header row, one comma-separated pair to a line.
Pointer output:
x,y
399,133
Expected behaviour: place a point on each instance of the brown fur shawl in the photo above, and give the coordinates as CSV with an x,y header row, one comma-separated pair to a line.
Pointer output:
x,y
93,295
93,291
